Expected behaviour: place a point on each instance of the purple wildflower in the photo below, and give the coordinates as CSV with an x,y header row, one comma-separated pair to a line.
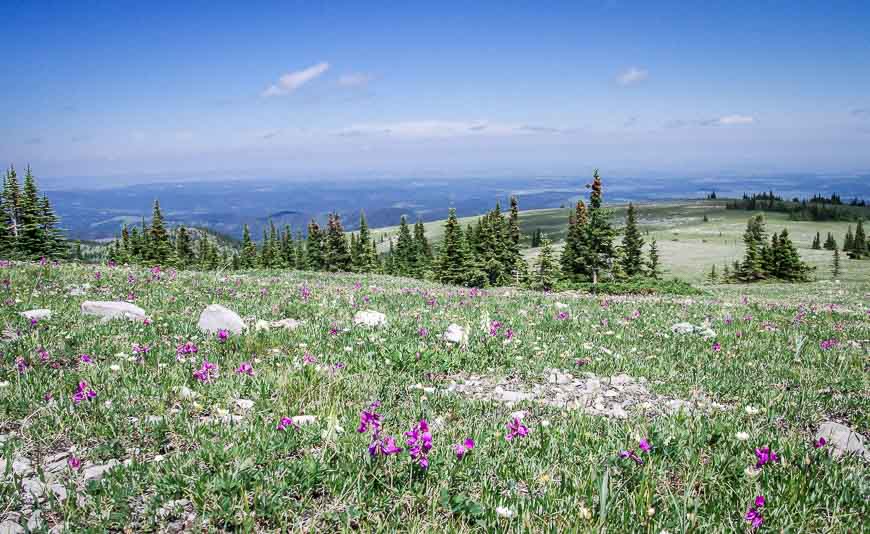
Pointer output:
x,y
753,515
384,446
717,347
223,335
828,344
305,293
516,428
819,443
308,359
285,423
185,349
83,392
423,332
370,419
245,369
563,315
493,328
140,349
21,364
74,463
461,449
86,358
206,372
765,456
419,443
645,445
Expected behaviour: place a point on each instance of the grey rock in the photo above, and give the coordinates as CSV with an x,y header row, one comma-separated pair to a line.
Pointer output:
x,y
287,324
369,318
11,527
216,317
109,310
39,315
683,328
455,334
96,472
843,440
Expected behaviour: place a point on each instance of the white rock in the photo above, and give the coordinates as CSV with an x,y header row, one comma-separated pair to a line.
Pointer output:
x,y
303,420
455,334
561,306
11,527
682,328
96,472
369,318
39,315
262,326
843,439
244,404
216,317
186,393
708,333
287,324
113,310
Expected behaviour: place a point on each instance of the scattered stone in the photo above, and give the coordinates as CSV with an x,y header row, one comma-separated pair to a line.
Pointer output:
x,y
287,324
20,466
843,440
79,291
369,318
186,393
244,404
11,527
97,472
216,317
303,420
113,310
708,333
455,334
683,328
262,326
170,508
38,315
561,306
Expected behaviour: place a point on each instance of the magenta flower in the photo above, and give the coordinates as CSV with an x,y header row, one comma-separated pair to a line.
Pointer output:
x,y
140,349
509,334
419,443
223,335
74,463
86,358
285,423
43,354
493,328
21,365
305,293
819,443
245,369
83,392
631,455
717,347
753,515
461,449
765,456
308,359
516,428
206,372
185,349
645,445
384,446
370,419
423,332
563,315
828,344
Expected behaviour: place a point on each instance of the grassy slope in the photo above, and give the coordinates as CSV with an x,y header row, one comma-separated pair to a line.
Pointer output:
x,y
248,475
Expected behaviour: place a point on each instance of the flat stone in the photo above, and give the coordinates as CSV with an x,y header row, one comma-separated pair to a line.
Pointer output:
x,y
20,466
843,440
96,472
683,328
244,404
39,315
216,317
11,527
303,420
287,324
113,310
369,318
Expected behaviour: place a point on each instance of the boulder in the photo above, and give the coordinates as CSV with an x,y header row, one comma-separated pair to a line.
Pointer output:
x,y
113,310
39,315
455,334
215,317
369,318
287,324
683,328
843,439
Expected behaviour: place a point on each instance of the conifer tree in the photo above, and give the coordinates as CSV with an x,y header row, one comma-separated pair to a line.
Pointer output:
x,y
848,240
835,265
159,248
546,272
55,243
713,277
405,254
77,252
514,227
30,239
598,247
248,255
337,254
859,244
830,242
632,246
288,250
789,265
653,266
183,248
422,250
266,255
12,208
752,267
817,242
301,256
451,266
314,247
367,253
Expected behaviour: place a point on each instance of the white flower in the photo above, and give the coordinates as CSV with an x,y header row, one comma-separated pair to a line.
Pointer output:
x,y
4,384
752,472
751,410
115,367
585,513
742,436
651,511
502,511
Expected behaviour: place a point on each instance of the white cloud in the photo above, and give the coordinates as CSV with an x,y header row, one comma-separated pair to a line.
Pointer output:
x,y
736,119
632,75
293,80
427,128
355,79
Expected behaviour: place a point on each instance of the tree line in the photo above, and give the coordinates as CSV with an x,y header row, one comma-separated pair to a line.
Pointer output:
x,y
855,245
29,227
817,208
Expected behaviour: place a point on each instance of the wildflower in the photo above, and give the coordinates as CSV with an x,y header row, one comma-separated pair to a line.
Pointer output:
x,y
509,334
819,443
86,358
765,456
21,365
333,330
206,372
146,321
305,293
751,410
423,332
140,349
185,349
563,315
631,455
645,445
461,449
74,463
286,423
43,354
370,419
308,359
494,327
245,369
223,335
503,511
83,392
828,344
384,446
33,322
516,429
742,436
717,347
753,515
419,443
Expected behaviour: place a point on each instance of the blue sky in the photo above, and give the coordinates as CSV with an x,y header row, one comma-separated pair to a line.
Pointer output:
x,y
299,89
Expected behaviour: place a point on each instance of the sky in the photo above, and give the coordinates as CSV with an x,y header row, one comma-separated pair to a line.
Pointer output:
x,y
103,91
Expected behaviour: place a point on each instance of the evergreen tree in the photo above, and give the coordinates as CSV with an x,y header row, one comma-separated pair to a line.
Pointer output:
x,y
12,209
183,248
713,277
55,243
288,250
546,272
366,258
314,247
597,253
653,267
31,242
337,255
301,256
404,259
632,246
830,242
575,250
753,266
848,240
817,242
537,238
77,253
835,265
859,244
789,265
451,266
514,230
267,256
202,251
248,255
422,250
159,249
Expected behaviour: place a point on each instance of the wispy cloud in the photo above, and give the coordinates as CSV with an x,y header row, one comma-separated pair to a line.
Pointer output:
x,y
861,112
632,76
294,80
629,122
270,135
727,120
355,79
442,129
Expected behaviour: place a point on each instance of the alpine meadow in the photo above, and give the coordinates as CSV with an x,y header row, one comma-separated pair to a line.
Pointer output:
x,y
435,268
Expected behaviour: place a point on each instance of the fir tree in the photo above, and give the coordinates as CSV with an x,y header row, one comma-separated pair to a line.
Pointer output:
x,y
367,255
30,239
248,255
753,266
835,265
789,265
288,250
653,267
830,242
77,253
514,229
422,250
817,242
546,272
12,208
632,246
267,256
183,248
451,266
597,254
314,247
405,253
575,250
337,255
712,277
159,248
55,244
848,240
859,244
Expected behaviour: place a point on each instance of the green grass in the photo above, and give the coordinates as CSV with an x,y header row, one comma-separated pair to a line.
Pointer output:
x,y
249,476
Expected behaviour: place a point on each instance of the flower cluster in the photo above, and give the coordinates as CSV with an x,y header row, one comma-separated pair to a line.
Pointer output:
x,y
828,344
461,449
644,446
223,335
206,372
753,515
285,423
83,392
764,456
419,443
184,349
516,429
245,369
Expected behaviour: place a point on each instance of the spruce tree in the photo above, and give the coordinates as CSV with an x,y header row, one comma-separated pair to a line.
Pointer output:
x,y
337,254
835,265
405,252
514,227
753,266
451,266
288,250
859,244
817,242
159,248
77,253
830,242
789,264
422,250
575,250
546,272
266,255
183,248
248,255
314,247
632,246
12,209
31,242
367,255
599,235
653,265
848,240
55,243
713,277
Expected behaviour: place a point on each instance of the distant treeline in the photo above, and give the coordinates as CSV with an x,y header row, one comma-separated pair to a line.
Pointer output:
x,y
817,208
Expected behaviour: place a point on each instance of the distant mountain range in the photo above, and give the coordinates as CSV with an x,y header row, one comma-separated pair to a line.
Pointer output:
x,y
226,206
